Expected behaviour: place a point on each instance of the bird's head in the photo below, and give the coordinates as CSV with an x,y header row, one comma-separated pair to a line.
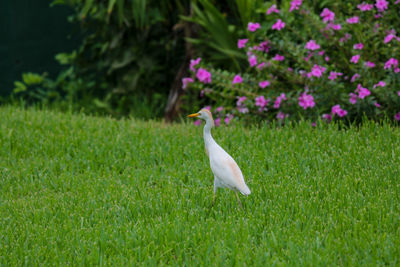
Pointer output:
x,y
203,114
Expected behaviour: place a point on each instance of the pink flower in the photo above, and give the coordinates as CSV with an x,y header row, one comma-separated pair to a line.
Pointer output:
x,y
338,111
253,26
272,9
306,101
242,43
240,101
203,75
335,109
237,79
355,77
256,47
397,116
335,27
345,38
303,73
312,45
264,46
208,108
252,60
327,15
365,7
308,57
295,4
243,110
219,109
333,75
194,62
261,102
228,119
327,117
398,92
389,37
279,25
358,46
381,5
186,81
353,98
326,58
353,20
197,122
261,66
279,100
362,92
354,59
317,71
376,104
398,1
380,84
278,58
369,64
342,113
281,115
217,122
391,62
264,84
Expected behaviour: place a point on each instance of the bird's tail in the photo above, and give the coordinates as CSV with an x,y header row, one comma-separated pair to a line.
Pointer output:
x,y
245,190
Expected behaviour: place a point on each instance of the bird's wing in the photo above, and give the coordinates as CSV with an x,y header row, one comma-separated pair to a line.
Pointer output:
x,y
227,170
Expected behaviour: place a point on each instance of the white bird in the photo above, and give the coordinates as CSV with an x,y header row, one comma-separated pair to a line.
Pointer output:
x,y
226,171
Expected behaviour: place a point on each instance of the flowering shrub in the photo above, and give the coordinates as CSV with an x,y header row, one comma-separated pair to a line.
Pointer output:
x,y
311,64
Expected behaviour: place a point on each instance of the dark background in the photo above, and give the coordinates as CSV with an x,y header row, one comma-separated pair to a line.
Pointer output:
x,y
31,34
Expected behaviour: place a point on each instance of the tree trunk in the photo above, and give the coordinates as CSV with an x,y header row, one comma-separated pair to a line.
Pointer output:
x,y
176,92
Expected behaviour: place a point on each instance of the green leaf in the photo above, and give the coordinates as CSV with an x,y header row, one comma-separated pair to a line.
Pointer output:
x,y
19,87
32,78
86,8
111,4
139,13
57,2
120,7
65,58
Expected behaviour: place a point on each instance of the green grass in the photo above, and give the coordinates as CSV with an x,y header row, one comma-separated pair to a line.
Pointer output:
x,y
80,190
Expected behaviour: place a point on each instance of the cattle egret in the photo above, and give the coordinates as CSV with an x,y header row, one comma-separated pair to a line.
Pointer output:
x,y
226,171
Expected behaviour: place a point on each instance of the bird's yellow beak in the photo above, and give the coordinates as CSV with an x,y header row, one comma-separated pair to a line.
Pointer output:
x,y
194,115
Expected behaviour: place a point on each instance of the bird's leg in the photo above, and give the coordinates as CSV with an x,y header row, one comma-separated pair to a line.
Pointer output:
x,y
240,203
215,190
213,202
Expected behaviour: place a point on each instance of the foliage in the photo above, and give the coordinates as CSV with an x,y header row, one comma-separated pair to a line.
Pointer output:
x,y
79,190
131,50
335,61
35,88
221,23
128,58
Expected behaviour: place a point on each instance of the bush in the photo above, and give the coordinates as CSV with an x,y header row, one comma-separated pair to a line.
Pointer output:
x,y
126,63
35,88
332,62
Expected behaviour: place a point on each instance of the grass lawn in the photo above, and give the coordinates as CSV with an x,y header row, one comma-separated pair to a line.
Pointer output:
x,y
80,190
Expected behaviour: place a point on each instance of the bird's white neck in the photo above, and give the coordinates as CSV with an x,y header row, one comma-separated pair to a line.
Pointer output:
x,y
208,139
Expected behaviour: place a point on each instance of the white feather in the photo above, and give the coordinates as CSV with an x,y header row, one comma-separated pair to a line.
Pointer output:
x,y
226,171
